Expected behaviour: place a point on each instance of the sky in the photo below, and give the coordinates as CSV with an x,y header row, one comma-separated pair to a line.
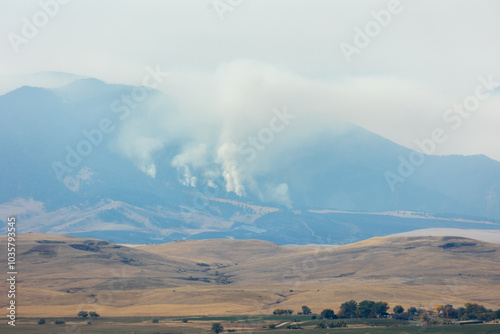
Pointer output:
x,y
407,70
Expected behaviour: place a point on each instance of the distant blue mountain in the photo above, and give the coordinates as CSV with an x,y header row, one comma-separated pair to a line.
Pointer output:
x,y
337,171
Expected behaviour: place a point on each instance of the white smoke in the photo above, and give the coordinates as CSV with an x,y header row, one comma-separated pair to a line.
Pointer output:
x,y
279,194
231,169
191,157
224,121
140,148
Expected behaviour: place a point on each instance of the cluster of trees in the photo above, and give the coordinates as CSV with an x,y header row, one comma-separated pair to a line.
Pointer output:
x,y
85,314
331,324
365,309
350,309
470,311
401,314
372,309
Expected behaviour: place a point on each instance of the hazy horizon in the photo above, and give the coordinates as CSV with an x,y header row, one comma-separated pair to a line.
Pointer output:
x,y
398,81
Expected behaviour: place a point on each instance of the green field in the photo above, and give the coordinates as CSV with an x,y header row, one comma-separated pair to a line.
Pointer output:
x,y
251,324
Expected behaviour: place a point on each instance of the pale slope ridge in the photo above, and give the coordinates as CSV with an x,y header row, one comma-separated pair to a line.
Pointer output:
x,y
402,260
65,263
220,250
228,251
483,235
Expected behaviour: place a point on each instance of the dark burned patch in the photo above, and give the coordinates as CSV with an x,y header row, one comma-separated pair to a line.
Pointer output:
x,y
50,242
346,274
95,256
73,290
203,264
84,247
457,245
129,283
201,279
95,243
454,238
130,261
44,250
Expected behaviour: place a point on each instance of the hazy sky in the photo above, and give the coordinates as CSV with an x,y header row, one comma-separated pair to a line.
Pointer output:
x,y
252,55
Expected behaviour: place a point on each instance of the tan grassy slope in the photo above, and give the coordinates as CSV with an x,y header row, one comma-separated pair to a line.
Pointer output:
x,y
59,275
226,251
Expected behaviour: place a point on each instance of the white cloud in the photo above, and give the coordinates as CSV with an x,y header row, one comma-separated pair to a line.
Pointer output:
x,y
21,206
83,177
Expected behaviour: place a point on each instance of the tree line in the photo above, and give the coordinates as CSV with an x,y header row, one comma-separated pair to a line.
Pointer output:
x,y
372,309
470,311
350,309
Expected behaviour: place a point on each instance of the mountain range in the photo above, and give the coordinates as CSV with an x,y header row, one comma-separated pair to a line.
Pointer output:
x,y
67,169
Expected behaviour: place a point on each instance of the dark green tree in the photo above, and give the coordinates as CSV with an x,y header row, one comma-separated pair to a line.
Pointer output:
x,y
41,321
217,327
398,309
93,314
365,309
380,308
322,324
328,314
83,314
449,312
335,324
306,310
472,310
348,309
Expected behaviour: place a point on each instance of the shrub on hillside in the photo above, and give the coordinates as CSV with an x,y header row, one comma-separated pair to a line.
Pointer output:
x,y
217,327
83,314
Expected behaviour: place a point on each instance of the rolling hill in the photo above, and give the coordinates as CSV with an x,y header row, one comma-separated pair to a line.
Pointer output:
x,y
61,275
